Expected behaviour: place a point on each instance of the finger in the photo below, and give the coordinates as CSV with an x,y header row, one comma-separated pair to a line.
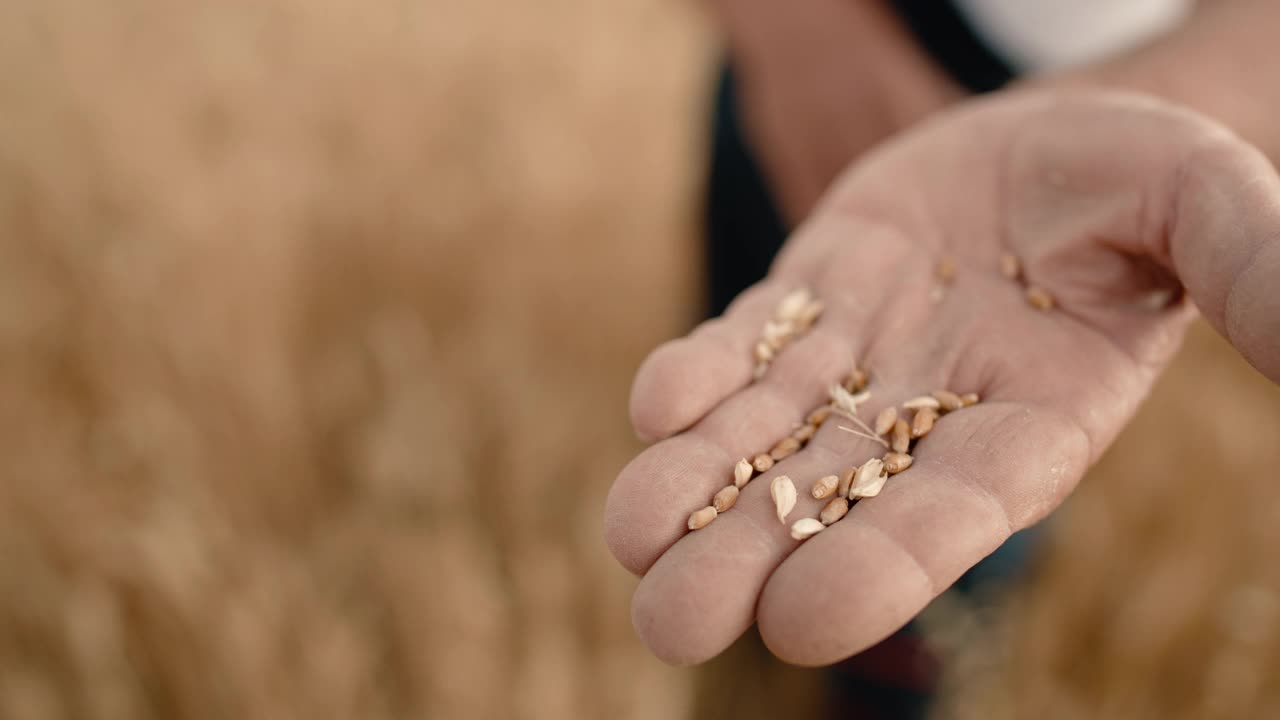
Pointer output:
x,y
982,473
701,594
685,378
643,515
650,502
1225,245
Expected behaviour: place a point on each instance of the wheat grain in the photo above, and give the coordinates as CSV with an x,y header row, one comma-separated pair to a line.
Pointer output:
x,y
777,334
922,423
948,400
846,481
793,303
896,462
764,352
785,448
924,401
857,380
1009,266
742,472
809,315
1039,298
804,433
819,415
969,399
725,499
844,400
834,510
945,270
869,480
762,462
702,518
901,436
824,487
806,528
885,420
783,492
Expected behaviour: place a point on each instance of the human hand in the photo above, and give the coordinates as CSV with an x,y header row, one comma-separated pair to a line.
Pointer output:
x,y
1113,203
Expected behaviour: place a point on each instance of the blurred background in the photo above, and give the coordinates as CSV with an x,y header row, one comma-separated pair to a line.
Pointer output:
x,y
317,322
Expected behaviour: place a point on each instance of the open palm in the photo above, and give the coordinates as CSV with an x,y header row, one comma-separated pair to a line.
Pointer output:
x,y
1112,203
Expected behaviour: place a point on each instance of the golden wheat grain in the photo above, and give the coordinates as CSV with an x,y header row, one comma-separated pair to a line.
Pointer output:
x,y
819,415
922,423
725,499
785,448
885,420
834,510
702,518
1039,298
824,487
948,400
896,462
1009,266
762,462
901,436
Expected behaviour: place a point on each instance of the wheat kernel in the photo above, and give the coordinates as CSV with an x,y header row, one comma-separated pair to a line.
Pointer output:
x,y
1009,266
809,314
783,492
924,401
869,480
834,510
825,487
785,448
895,462
742,472
946,270
764,353
901,436
969,399
702,518
819,415
857,380
806,528
948,400
791,305
804,433
777,334
846,481
725,499
762,462
922,423
1039,298
885,420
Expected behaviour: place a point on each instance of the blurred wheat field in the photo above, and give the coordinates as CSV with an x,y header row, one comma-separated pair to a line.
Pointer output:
x,y
316,326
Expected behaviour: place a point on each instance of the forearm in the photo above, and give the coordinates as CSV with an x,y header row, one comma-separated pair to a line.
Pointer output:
x,y
862,38
1224,62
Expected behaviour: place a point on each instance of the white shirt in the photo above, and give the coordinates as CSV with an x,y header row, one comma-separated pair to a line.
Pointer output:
x,y
1042,35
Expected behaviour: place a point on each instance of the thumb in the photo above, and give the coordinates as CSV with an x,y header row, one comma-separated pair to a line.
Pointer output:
x,y
1224,244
